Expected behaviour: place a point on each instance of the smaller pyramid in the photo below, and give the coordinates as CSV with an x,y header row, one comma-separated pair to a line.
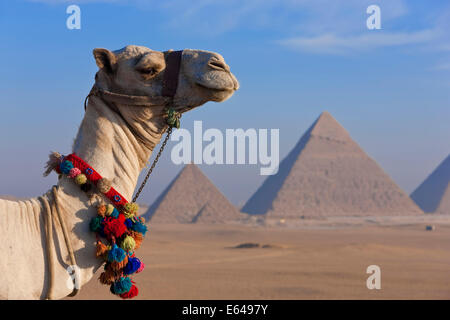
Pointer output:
x,y
192,198
433,195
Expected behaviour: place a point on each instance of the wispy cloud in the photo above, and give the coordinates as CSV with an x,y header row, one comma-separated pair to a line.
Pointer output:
x,y
334,44
442,67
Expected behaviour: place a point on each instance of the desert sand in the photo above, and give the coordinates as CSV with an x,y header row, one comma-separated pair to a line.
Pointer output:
x,y
310,261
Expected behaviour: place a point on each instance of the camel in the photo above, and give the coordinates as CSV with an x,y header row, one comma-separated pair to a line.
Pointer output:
x,y
115,138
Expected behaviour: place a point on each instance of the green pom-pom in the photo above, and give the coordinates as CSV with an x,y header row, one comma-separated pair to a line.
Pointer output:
x,y
80,179
96,223
130,210
128,244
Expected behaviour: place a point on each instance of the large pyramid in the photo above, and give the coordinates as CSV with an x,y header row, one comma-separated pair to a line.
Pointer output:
x,y
192,198
433,195
328,174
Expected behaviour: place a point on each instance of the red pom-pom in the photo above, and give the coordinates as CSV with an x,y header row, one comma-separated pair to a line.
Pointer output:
x,y
114,227
130,294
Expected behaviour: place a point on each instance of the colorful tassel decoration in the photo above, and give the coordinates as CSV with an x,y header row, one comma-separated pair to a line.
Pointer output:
x,y
66,166
128,244
121,286
117,222
115,213
104,185
114,227
80,179
132,266
116,254
116,265
74,172
109,276
139,227
137,239
102,249
109,210
95,223
141,267
53,163
101,210
133,292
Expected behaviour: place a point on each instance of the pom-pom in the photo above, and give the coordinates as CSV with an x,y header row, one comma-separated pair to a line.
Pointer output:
x,y
101,210
128,244
132,266
53,163
115,213
103,185
116,254
128,223
137,239
86,187
66,166
80,179
133,292
74,172
101,249
131,207
141,267
114,227
139,227
109,209
95,223
117,266
109,276
121,286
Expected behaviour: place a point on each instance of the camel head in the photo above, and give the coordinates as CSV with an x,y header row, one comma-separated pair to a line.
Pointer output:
x,y
135,70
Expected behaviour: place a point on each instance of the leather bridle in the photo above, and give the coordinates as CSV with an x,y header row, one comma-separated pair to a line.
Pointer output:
x,y
169,88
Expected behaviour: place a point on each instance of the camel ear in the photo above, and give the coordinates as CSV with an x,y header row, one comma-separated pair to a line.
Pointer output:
x,y
105,59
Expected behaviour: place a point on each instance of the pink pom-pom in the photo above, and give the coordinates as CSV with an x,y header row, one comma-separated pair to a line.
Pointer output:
x,y
141,267
74,172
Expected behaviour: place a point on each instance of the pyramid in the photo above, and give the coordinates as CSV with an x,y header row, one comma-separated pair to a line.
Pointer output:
x,y
433,195
192,198
328,174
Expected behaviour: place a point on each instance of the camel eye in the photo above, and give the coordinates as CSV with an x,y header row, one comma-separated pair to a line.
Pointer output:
x,y
147,72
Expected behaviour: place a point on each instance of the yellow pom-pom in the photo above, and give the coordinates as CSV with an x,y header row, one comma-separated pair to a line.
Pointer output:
x,y
109,209
131,208
128,244
80,179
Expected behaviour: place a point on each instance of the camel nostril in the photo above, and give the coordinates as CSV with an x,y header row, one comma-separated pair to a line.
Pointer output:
x,y
218,65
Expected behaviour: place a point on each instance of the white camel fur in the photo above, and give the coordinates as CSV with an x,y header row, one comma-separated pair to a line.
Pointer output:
x,y
115,140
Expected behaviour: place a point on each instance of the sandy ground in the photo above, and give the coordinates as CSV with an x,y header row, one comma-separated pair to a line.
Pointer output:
x,y
198,262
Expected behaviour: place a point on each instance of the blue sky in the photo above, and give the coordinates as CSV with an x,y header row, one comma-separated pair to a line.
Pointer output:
x,y
294,58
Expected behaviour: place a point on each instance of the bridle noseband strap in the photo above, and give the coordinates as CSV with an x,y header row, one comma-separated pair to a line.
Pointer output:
x,y
171,74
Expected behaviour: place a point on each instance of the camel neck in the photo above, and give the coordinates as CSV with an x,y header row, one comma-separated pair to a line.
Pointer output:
x,y
118,140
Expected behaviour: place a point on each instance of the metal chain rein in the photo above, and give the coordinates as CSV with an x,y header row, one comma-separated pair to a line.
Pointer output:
x,y
173,120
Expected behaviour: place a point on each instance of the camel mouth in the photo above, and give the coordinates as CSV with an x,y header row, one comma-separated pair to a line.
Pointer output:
x,y
201,85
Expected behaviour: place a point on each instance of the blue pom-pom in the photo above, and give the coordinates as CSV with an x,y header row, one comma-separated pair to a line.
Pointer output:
x,y
116,254
139,227
132,266
66,166
115,213
121,286
128,223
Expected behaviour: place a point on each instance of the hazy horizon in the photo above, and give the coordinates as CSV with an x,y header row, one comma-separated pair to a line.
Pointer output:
x,y
389,88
